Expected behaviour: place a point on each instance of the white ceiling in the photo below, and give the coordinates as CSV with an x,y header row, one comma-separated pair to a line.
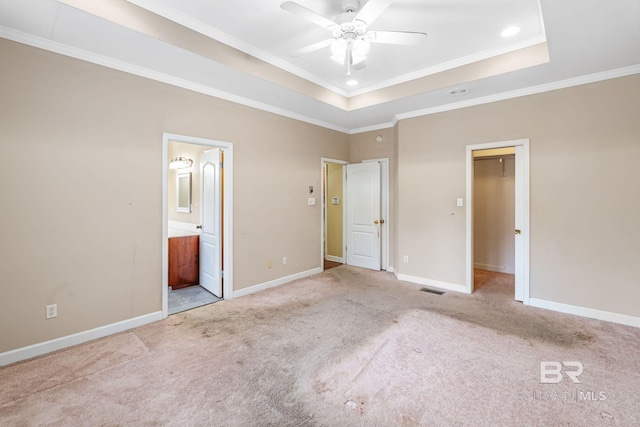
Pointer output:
x,y
587,40
455,29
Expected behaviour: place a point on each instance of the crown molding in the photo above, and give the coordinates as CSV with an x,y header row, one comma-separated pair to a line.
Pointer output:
x,y
83,55
446,66
62,49
202,28
533,90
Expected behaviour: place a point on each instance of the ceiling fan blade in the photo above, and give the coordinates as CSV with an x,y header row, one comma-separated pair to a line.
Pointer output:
x,y
307,14
396,37
372,10
310,48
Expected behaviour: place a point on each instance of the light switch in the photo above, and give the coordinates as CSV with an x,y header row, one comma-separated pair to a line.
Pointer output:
x,y
311,201
459,201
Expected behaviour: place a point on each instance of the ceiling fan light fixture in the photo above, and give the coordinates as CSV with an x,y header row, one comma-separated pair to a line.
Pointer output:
x,y
338,51
361,48
358,48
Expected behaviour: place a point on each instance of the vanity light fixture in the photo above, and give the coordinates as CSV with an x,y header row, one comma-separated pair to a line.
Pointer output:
x,y
180,163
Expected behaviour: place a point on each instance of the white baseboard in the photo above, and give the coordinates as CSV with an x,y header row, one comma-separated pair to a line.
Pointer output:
x,y
276,282
591,313
496,268
432,283
334,258
391,270
39,349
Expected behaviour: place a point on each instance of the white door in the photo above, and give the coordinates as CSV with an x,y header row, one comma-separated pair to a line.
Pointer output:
x,y
363,215
210,219
519,225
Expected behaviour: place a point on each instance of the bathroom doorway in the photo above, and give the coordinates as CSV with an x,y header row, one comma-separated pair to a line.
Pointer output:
x,y
187,211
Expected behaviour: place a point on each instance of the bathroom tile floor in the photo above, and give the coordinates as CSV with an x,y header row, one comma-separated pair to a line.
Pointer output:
x,y
190,297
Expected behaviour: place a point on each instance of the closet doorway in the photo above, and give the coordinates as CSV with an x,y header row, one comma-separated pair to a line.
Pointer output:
x,y
497,231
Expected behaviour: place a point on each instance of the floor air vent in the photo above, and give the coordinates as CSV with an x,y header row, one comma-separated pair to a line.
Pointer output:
x,y
431,291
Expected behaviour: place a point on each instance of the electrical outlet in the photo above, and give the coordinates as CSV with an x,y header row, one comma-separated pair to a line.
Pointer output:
x,y
269,264
406,258
52,311
284,260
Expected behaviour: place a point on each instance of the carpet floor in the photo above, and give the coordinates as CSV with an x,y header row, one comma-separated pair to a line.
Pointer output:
x,y
347,347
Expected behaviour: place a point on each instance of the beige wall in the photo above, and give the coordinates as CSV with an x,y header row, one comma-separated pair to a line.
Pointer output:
x,y
494,214
81,190
81,175
585,203
335,212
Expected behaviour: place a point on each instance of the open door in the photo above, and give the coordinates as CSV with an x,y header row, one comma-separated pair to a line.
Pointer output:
x,y
520,227
210,220
363,215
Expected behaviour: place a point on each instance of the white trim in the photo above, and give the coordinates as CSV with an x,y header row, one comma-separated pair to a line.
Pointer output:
x,y
532,90
450,65
136,70
227,267
39,349
391,270
334,258
202,28
62,49
592,313
432,283
524,227
496,268
277,282
374,127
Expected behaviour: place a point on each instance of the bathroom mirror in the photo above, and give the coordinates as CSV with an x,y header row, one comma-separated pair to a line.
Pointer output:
x,y
183,191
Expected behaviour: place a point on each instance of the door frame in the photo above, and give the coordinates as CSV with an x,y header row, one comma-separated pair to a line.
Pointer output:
x,y
384,200
522,201
227,199
323,162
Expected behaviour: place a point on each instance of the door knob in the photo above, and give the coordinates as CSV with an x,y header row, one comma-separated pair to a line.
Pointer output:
x,y
375,222
199,227
382,221
518,232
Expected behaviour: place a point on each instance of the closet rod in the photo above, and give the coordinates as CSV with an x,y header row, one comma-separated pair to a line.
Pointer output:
x,y
508,156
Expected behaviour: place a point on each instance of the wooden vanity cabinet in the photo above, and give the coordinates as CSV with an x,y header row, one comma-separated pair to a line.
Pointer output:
x,y
183,261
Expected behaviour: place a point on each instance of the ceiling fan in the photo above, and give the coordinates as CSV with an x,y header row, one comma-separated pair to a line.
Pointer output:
x,y
351,39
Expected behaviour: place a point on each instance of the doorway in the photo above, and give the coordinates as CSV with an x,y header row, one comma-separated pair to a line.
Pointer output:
x,y
191,212
495,258
333,216
381,214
